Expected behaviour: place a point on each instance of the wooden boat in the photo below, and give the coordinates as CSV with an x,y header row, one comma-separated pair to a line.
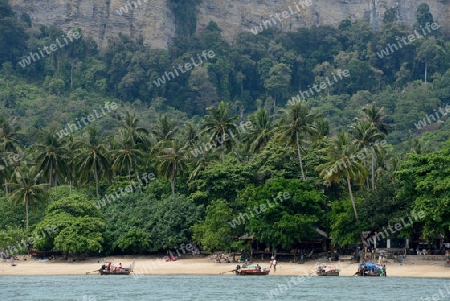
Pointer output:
x,y
251,270
116,271
370,269
327,270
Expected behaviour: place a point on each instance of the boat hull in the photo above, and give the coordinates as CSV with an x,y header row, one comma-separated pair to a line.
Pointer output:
x,y
252,273
328,274
327,270
123,272
370,269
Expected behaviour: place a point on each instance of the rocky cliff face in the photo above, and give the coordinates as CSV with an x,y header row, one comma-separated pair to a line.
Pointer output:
x,y
155,21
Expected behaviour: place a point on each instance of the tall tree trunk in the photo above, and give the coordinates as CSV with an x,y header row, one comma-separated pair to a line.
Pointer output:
x,y
96,179
70,180
300,157
373,170
6,188
351,197
174,171
129,172
426,71
51,175
172,184
367,179
26,213
222,154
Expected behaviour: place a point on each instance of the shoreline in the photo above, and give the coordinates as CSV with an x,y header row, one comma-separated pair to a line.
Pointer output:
x,y
201,266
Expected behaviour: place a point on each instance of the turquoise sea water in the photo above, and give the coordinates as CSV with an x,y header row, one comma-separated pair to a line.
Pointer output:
x,y
217,288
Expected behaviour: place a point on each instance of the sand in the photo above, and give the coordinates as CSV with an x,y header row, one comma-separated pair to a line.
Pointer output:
x,y
151,265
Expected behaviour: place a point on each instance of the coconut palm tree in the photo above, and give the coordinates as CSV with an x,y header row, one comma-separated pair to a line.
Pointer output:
x,y
138,134
297,124
172,160
342,165
10,141
10,135
164,130
92,157
72,148
126,154
375,116
190,134
51,157
262,131
366,135
219,125
26,190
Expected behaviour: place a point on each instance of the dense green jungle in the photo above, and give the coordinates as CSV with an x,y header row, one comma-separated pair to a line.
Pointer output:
x,y
97,155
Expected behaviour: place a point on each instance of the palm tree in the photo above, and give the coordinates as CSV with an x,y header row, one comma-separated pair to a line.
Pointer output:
x,y
164,130
26,190
341,165
137,134
71,146
365,135
10,139
172,160
218,125
262,131
376,118
92,157
296,125
10,135
126,155
51,157
190,134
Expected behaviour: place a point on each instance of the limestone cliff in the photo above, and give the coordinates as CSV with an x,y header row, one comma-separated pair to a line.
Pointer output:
x,y
155,21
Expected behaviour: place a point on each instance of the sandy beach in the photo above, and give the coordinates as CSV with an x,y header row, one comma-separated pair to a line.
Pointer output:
x,y
152,265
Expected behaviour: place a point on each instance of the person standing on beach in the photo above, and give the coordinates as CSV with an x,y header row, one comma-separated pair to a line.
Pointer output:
x,y
274,265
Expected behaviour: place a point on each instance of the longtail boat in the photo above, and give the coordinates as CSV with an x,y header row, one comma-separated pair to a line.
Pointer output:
x,y
370,269
116,271
327,270
251,270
